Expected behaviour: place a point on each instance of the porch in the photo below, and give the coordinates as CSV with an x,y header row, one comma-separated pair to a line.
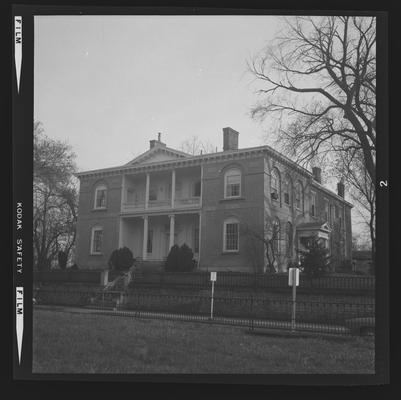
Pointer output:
x,y
150,237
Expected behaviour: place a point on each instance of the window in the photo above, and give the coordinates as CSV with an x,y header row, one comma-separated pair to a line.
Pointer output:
x,y
197,189
276,236
100,197
150,241
97,240
178,188
231,235
336,211
299,196
232,183
289,235
326,210
287,190
152,194
313,204
331,214
275,184
196,240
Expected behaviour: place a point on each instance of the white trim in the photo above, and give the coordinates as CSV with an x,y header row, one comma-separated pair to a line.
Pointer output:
x,y
278,189
172,188
231,220
299,185
95,229
97,189
225,183
313,197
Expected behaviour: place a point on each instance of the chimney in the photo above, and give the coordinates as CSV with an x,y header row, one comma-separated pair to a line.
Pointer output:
x,y
230,139
158,142
317,174
341,188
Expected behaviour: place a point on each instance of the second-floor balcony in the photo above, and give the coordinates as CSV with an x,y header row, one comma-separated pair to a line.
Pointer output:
x,y
168,190
153,205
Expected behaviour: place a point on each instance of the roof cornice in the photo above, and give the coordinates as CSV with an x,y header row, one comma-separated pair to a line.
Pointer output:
x,y
195,160
319,186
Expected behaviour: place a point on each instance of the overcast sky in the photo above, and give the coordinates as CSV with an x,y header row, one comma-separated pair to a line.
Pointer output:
x,y
108,84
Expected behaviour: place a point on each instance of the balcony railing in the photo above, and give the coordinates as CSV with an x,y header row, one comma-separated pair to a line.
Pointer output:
x,y
138,206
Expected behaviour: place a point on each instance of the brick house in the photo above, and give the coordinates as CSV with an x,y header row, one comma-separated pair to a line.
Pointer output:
x,y
218,204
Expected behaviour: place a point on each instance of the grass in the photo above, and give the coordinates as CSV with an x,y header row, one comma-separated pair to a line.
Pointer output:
x,y
67,342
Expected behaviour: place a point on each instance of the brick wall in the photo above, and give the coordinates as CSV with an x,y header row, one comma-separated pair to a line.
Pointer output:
x,y
88,218
248,209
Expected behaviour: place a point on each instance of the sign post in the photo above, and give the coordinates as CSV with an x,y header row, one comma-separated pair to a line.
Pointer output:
x,y
293,280
213,277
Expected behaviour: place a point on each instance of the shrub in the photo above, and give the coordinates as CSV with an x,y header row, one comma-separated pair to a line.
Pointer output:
x,y
172,260
62,259
180,259
314,261
74,267
186,259
121,259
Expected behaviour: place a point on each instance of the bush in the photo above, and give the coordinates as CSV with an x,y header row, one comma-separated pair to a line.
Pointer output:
x,y
62,259
74,267
315,261
180,259
172,260
121,259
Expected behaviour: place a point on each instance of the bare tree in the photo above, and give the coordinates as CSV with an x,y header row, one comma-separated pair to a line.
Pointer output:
x,y
195,146
55,198
269,235
319,77
362,190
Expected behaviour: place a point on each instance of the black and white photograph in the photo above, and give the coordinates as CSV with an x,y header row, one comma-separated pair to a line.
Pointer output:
x,y
204,194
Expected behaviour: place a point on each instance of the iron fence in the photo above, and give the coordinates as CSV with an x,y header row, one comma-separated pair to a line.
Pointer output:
x,y
237,280
254,312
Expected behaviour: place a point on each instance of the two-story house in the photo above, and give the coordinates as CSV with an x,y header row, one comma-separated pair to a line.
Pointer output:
x,y
220,204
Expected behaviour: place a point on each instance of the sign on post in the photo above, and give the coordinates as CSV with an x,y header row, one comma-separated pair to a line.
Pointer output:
x,y
293,280
213,277
293,276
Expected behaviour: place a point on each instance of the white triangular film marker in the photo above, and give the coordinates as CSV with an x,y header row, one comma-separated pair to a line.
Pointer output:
x,y
19,320
18,48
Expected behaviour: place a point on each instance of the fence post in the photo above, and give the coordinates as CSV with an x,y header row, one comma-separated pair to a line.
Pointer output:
x,y
211,301
104,277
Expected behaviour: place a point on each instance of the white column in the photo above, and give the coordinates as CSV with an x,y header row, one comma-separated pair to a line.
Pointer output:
x,y
201,186
172,223
200,235
172,188
120,234
123,192
145,238
147,190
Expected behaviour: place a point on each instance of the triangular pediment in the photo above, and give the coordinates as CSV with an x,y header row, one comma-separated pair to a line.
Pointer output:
x,y
158,154
314,226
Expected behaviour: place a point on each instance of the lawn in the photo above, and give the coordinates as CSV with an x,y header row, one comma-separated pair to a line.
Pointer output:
x,y
66,342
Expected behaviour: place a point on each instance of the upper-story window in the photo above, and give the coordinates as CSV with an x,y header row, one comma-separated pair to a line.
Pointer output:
x,y
152,193
326,210
276,236
275,184
232,183
331,214
287,190
197,189
299,196
231,235
100,197
97,240
313,204
289,241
